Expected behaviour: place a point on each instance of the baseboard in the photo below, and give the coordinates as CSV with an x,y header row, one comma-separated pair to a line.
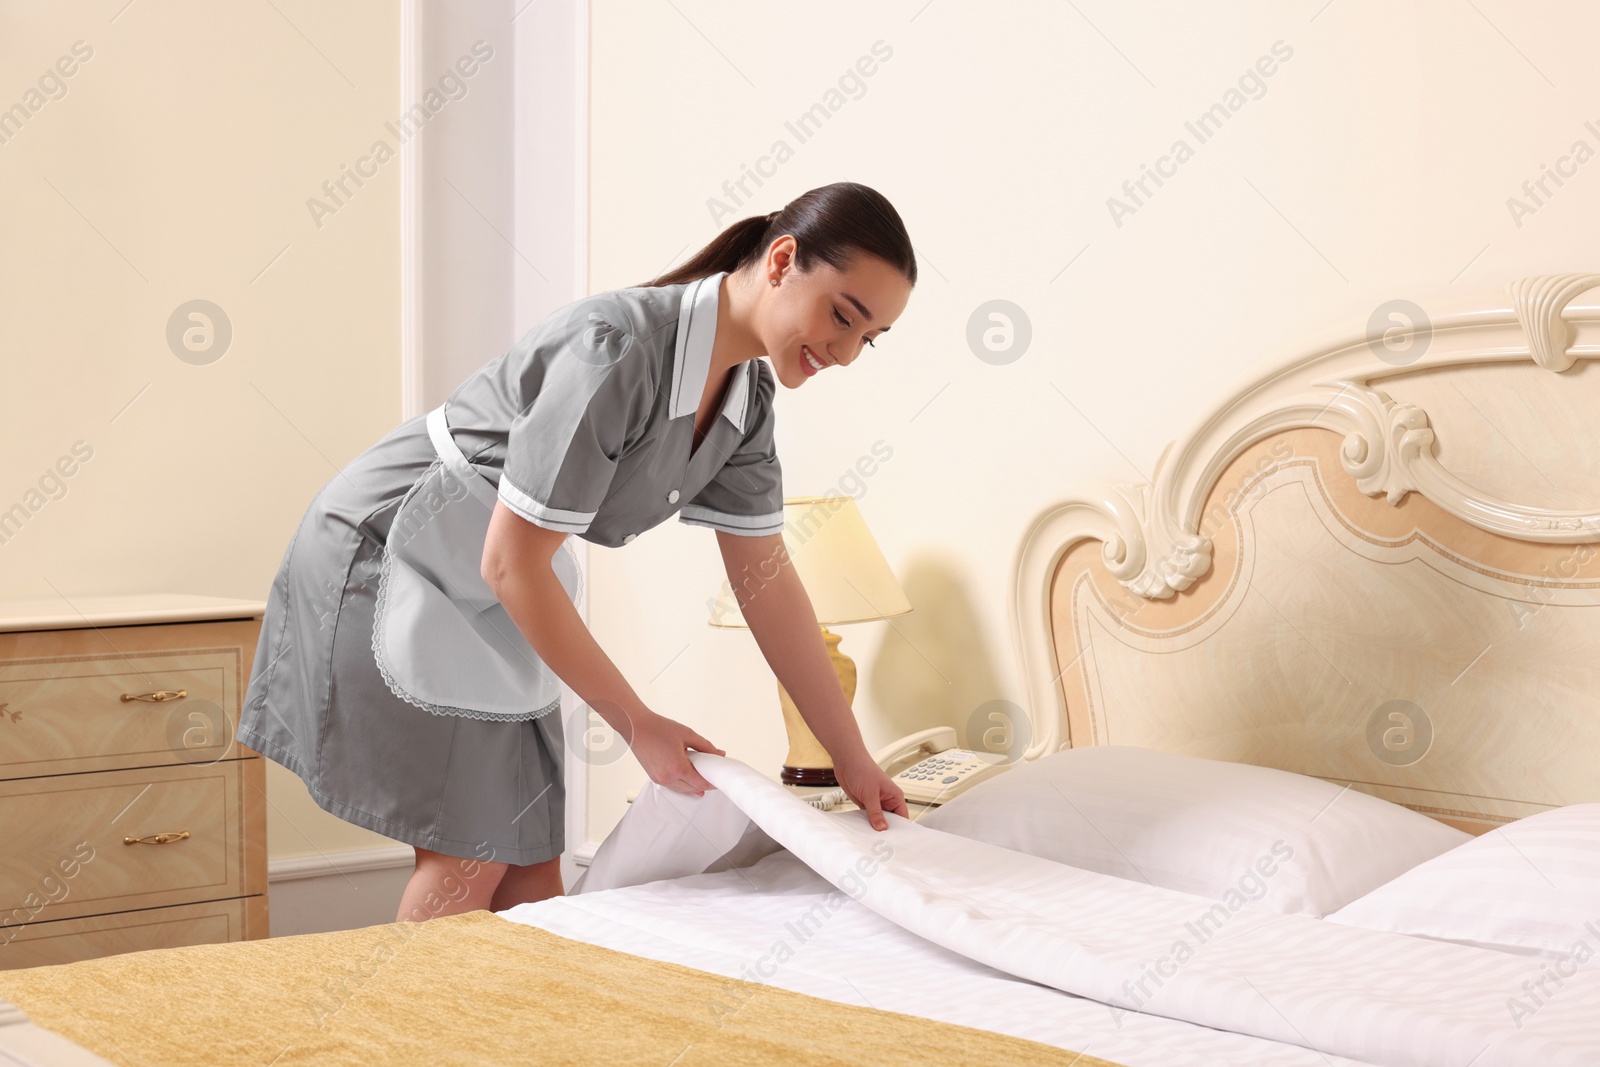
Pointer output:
x,y
353,888
323,864
337,890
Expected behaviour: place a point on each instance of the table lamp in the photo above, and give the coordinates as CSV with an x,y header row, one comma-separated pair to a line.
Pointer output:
x,y
847,580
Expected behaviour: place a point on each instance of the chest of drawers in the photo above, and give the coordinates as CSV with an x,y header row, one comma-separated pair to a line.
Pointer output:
x,y
131,818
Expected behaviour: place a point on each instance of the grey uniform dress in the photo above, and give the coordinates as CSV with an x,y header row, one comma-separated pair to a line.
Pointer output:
x,y
387,675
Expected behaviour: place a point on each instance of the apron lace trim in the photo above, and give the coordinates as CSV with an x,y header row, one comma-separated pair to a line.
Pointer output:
x,y
437,709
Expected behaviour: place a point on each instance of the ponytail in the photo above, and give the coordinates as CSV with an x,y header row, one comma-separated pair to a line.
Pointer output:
x,y
727,251
830,223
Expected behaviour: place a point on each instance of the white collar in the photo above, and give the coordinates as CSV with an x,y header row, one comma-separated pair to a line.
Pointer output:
x,y
691,362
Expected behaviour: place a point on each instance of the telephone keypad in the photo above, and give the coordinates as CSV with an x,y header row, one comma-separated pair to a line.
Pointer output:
x,y
944,771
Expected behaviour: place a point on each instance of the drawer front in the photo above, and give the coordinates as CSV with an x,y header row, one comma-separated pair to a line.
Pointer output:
x,y
151,708
67,852
71,940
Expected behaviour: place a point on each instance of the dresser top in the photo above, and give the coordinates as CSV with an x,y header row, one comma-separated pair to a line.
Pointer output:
x,y
59,613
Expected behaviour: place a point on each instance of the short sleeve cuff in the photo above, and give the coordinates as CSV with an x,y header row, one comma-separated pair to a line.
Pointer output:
x,y
749,525
539,514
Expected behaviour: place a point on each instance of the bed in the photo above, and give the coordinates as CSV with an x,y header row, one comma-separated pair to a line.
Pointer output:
x,y
1375,573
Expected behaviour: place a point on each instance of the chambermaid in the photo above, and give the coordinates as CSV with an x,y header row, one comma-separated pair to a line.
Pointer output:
x,y
388,676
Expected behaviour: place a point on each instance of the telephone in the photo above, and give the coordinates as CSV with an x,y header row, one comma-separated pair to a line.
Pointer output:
x,y
930,769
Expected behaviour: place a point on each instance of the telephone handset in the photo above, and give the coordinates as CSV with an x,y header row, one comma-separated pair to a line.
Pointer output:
x,y
930,769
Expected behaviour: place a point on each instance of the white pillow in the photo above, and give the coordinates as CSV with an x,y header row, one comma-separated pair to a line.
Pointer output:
x,y
1531,887
1248,836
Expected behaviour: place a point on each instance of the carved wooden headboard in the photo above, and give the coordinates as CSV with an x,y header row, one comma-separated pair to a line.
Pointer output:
x,y
1379,565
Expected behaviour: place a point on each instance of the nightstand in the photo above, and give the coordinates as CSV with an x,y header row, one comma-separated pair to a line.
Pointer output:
x,y
133,818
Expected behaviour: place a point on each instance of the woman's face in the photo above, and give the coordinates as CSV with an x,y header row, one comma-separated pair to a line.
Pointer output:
x,y
827,315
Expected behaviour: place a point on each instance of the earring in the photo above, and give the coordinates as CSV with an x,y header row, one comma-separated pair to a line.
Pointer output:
x,y
774,281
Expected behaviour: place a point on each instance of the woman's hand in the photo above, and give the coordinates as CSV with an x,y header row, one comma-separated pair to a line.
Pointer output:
x,y
661,745
873,791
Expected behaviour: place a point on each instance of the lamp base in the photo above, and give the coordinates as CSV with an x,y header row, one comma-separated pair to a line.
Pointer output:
x,y
808,763
808,776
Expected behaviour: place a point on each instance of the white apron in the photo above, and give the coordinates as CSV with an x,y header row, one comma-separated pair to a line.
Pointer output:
x,y
441,639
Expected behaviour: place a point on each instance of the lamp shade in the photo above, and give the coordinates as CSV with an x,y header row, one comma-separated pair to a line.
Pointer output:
x,y
839,563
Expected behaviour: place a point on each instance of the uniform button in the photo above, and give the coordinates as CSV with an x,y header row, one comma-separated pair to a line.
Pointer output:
x,y
672,497
630,537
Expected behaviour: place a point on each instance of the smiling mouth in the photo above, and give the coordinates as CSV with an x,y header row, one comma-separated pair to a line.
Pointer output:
x,y
815,363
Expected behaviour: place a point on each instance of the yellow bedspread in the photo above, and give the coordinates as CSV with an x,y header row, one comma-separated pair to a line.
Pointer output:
x,y
467,989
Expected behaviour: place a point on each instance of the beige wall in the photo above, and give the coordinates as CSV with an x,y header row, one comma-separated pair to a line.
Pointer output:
x,y
1375,164
176,165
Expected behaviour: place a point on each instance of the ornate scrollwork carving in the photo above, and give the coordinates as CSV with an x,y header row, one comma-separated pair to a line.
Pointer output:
x,y
1149,533
1539,303
1389,449
1157,558
1187,559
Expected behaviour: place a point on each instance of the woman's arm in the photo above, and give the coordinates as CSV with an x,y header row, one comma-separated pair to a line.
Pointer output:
x,y
516,567
779,612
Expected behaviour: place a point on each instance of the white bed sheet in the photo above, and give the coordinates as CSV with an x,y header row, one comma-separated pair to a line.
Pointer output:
x,y
980,935
732,923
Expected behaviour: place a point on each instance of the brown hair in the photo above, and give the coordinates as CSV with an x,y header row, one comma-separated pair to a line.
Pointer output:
x,y
830,223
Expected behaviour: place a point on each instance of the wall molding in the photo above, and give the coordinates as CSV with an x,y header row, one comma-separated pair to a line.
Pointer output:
x,y
411,43
542,152
355,887
347,861
379,858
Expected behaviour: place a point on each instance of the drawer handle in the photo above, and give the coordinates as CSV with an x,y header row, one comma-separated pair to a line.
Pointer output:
x,y
157,697
156,839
